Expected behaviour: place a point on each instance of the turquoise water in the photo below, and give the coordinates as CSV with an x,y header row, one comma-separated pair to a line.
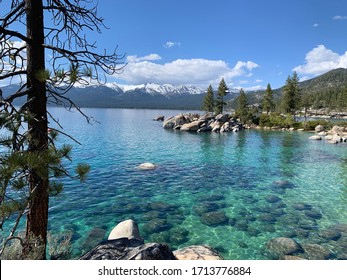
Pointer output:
x,y
251,181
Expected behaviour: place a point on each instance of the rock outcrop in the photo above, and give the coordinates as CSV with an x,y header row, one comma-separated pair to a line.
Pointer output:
x,y
207,122
200,252
129,249
125,243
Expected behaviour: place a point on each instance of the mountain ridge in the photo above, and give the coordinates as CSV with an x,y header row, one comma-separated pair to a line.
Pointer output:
x,y
166,96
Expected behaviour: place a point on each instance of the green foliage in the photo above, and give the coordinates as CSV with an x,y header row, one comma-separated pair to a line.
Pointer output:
x,y
242,110
59,246
276,120
208,102
268,100
43,75
291,95
221,93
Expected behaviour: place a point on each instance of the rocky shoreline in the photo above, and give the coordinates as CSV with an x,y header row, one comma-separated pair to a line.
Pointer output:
x,y
125,243
221,123
337,134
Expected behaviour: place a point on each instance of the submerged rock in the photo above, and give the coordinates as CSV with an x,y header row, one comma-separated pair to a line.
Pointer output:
x,y
272,198
330,234
214,218
280,246
201,252
156,225
316,252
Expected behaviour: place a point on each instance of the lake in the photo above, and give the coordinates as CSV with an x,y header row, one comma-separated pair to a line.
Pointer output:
x,y
257,184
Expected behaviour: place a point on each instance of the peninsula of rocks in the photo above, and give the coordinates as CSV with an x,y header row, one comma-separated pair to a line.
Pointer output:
x,y
207,122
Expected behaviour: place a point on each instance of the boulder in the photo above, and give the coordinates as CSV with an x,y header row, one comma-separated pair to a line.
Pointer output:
x,y
280,246
315,137
222,118
337,129
322,133
201,252
147,166
175,121
159,118
319,128
193,126
129,249
126,229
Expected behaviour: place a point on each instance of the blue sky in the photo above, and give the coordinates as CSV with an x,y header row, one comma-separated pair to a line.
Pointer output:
x,y
248,42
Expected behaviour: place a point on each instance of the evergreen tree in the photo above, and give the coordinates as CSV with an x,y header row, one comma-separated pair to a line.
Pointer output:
x,y
208,103
242,107
221,93
291,95
32,32
268,102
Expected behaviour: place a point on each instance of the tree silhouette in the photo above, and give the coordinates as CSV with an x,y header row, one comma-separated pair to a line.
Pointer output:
x,y
34,34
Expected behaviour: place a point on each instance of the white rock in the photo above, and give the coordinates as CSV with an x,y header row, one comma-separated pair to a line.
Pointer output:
x,y
315,137
147,166
126,229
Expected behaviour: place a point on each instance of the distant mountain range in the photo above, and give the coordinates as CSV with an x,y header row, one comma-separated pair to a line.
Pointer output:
x,y
153,96
150,96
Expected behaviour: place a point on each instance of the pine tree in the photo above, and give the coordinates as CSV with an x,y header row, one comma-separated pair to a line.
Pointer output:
x,y
208,103
268,102
31,164
242,106
223,90
291,95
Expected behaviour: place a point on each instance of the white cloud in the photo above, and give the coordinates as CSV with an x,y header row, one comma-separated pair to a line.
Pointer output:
x,y
321,60
339,17
316,25
252,88
200,72
169,45
150,57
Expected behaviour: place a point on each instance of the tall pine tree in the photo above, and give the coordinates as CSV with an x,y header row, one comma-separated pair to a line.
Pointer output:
x,y
223,90
242,106
268,100
291,95
32,33
208,103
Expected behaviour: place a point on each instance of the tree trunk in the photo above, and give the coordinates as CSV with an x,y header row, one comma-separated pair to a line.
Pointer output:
x,y
37,217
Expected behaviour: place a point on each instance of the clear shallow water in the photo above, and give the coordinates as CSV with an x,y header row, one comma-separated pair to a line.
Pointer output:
x,y
253,179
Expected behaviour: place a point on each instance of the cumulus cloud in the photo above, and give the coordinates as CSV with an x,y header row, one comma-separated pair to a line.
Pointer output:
x,y
321,60
198,71
169,45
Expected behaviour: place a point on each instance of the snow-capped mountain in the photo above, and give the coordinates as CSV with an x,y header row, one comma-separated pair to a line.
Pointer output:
x,y
132,96
150,88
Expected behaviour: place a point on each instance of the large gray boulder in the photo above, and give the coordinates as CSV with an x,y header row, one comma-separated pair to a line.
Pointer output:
x,y
129,249
200,252
281,246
